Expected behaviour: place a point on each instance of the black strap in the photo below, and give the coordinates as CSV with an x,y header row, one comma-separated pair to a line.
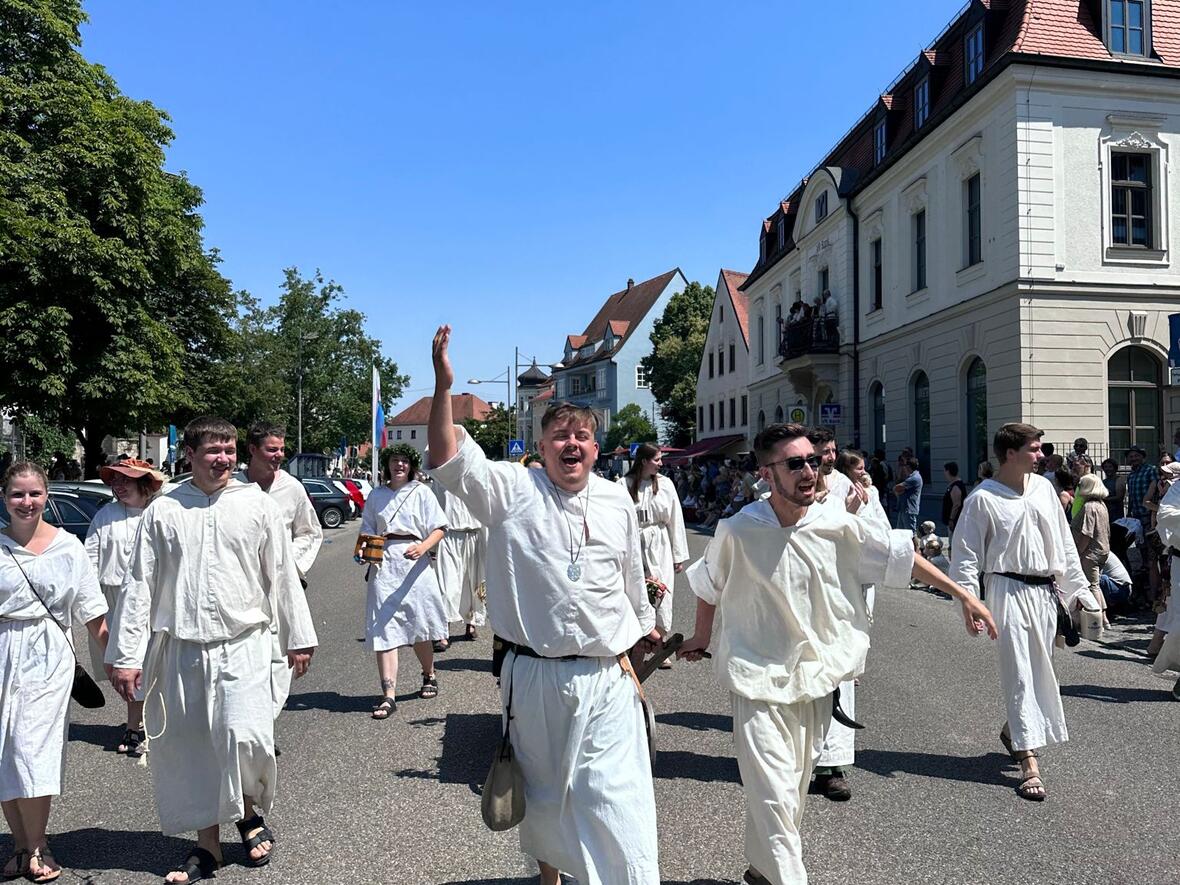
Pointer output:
x,y
48,610
1032,580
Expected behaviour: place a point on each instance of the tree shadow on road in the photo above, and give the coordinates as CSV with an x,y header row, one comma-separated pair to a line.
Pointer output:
x,y
100,852
697,721
985,769
468,743
1118,695
675,764
1130,657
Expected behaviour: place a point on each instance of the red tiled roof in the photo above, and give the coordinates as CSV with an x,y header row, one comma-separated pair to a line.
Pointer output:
x,y
628,306
618,328
1066,29
575,341
463,406
741,307
544,395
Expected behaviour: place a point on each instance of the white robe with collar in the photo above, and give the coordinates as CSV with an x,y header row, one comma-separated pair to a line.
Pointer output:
x,y
661,538
110,541
460,562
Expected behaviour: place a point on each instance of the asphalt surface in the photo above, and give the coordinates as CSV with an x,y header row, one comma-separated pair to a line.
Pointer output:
x,y
934,800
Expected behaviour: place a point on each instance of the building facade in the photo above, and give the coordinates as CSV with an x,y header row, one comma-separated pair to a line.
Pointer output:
x,y
723,403
995,234
600,368
409,425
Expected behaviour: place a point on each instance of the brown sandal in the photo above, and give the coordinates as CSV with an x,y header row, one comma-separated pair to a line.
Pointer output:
x,y
1032,788
43,856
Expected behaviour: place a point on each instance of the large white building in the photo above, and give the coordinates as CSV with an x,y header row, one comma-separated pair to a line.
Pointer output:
x,y
996,240
723,406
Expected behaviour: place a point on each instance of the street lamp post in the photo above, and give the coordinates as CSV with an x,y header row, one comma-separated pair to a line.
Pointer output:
x,y
303,338
507,403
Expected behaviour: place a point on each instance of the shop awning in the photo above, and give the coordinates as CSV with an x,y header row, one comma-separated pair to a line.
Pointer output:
x,y
710,446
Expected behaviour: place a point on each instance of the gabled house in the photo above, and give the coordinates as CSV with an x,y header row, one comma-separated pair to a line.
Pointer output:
x,y
409,425
600,367
723,408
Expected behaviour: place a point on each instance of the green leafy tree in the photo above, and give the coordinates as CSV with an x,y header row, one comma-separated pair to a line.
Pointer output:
x,y
678,343
630,425
491,434
308,330
42,439
113,315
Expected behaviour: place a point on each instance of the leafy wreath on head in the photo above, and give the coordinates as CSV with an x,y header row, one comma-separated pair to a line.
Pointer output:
x,y
401,450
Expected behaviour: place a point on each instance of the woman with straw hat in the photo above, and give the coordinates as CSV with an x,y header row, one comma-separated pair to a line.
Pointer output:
x,y
405,604
109,544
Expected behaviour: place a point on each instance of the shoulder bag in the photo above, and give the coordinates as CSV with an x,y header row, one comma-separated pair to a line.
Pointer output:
x,y
502,802
85,690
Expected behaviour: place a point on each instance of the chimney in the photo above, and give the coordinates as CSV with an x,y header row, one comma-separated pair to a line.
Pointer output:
x,y
630,284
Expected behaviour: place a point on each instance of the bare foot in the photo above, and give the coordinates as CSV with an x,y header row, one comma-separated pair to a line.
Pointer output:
x,y
43,866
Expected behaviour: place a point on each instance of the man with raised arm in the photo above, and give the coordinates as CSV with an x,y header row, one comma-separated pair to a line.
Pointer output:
x,y
265,444
566,592
211,571
781,606
1013,538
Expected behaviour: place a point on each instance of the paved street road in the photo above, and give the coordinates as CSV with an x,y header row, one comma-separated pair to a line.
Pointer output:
x,y
396,802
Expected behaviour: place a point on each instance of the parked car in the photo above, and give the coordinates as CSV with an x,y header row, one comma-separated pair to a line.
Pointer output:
x,y
363,484
332,505
85,487
67,509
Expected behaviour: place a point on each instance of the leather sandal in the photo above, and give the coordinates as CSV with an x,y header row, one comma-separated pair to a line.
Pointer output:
x,y
263,834
1032,788
386,708
40,855
198,864
21,856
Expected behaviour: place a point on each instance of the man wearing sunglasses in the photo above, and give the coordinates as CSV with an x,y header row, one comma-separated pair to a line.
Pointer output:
x,y
786,576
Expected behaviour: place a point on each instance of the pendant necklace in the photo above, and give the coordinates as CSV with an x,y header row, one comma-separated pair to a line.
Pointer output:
x,y
574,569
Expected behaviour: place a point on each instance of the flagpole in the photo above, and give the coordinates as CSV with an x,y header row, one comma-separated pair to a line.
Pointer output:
x,y
375,439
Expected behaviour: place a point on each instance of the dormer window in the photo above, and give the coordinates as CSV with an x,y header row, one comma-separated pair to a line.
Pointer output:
x,y
921,102
879,132
973,53
821,207
781,228
1127,26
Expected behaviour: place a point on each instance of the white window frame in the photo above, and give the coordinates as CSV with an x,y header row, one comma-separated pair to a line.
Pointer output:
x,y
1108,27
919,261
973,54
1144,138
968,259
821,207
880,141
921,102
642,382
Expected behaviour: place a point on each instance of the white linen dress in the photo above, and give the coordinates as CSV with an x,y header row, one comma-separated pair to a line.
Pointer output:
x,y
405,603
460,562
208,577
1168,521
791,624
577,725
1001,530
661,538
36,663
109,542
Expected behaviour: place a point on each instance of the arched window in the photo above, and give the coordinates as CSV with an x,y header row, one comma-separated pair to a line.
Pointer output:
x,y
761,420
977,449
922,423
877,396
1133,397
778,414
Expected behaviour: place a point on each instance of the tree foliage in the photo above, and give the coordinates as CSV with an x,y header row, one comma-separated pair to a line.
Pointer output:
x,y
112,313
629,425
491,434
678,343
308,329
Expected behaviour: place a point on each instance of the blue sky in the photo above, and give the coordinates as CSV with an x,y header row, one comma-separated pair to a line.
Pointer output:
x,y
499,166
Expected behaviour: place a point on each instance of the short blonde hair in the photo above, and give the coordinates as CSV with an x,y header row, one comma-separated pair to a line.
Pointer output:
x,y
1091,488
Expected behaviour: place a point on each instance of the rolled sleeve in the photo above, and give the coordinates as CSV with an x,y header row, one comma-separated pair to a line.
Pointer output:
x,y
886,556
486,487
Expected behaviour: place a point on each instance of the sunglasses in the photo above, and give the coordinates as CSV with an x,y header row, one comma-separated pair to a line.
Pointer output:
x,y
796,464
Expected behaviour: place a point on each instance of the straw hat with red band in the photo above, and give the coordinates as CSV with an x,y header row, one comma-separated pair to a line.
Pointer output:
x,y
134,469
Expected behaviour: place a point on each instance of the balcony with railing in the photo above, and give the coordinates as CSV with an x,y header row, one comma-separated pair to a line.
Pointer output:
x,y
808,332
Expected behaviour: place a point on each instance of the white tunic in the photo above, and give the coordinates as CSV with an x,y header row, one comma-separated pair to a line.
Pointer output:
x,y
576,724
207,579
461,561
1001,530
1167,520
791,621
36,663
405,604
661,538
109,542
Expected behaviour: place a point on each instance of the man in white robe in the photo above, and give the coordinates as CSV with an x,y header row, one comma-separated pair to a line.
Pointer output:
x,y
781,606
839,751
212,570
266,443
566,591
461,563
1013,544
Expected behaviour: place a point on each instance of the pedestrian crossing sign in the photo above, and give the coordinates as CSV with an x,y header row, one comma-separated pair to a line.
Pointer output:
x,y
515,448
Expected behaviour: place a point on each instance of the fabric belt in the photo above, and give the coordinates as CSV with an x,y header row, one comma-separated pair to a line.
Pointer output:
x,y
527,652
1032,580
394,537
461,531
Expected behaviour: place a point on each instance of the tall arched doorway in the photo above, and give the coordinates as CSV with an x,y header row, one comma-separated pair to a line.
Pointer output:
x,y
976,389
1133,398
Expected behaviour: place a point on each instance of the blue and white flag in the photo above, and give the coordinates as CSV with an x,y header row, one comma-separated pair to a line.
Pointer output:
x,y
378,434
